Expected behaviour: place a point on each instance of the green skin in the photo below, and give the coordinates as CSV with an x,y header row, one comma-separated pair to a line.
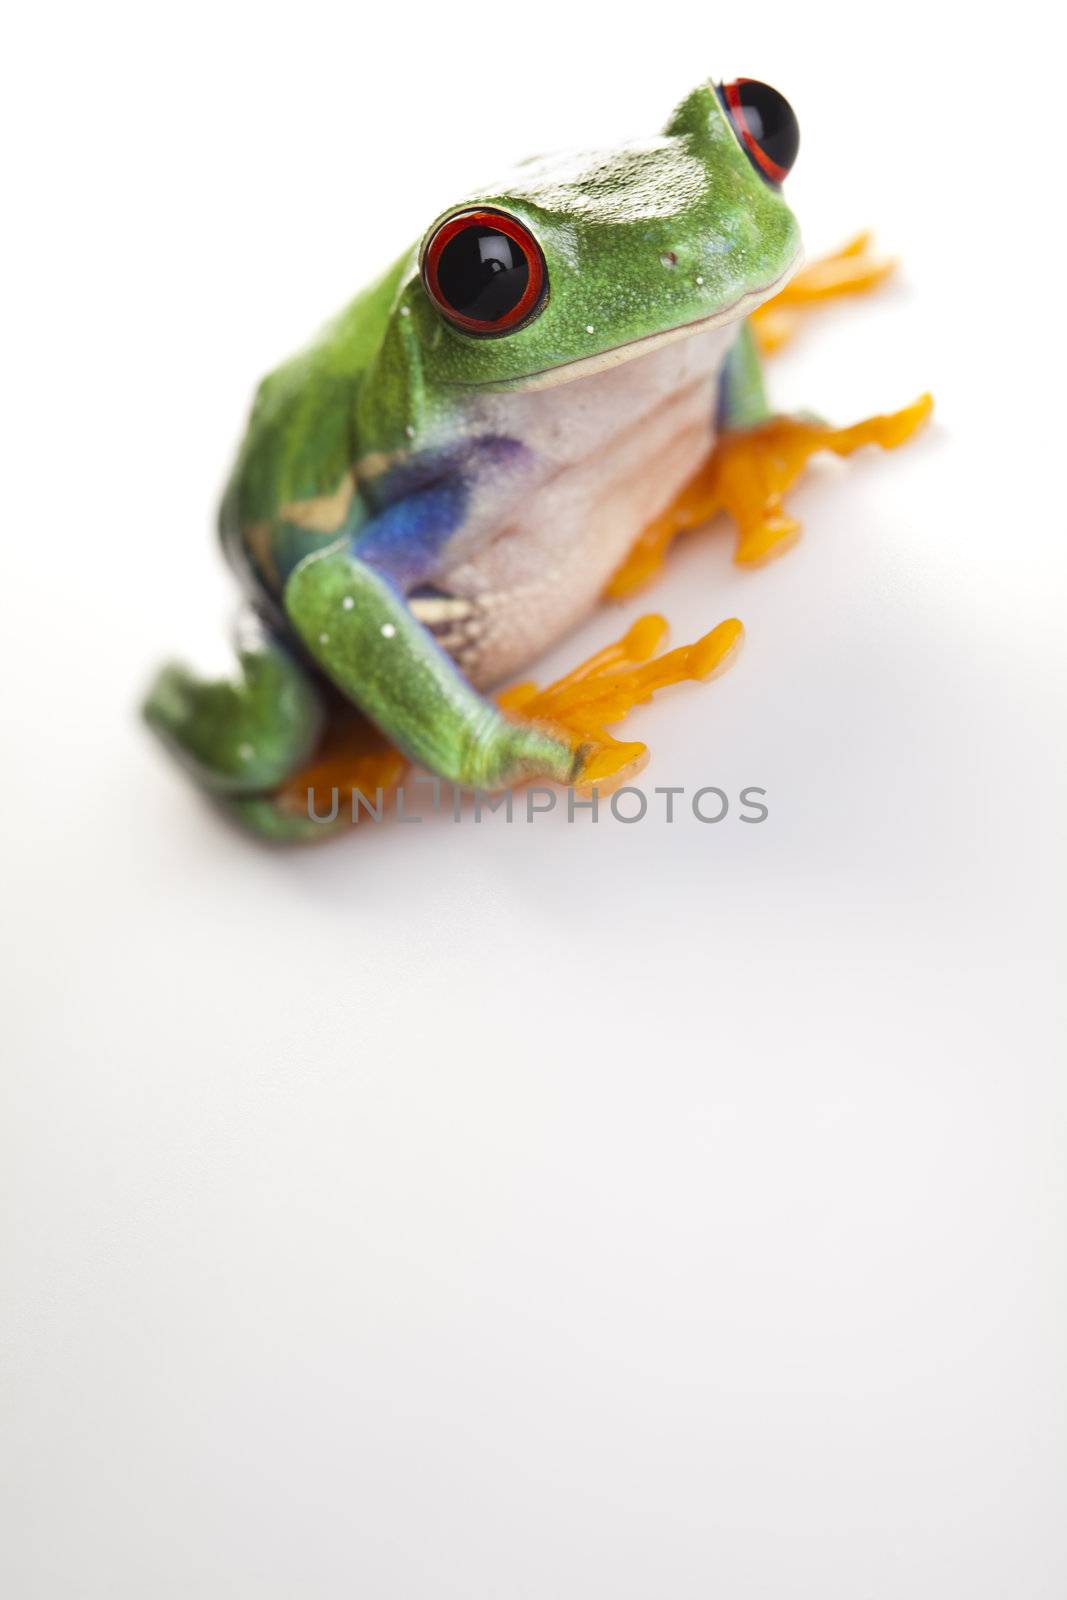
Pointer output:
x,y
388,378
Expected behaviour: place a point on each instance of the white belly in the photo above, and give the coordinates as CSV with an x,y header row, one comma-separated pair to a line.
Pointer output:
x,y
607,453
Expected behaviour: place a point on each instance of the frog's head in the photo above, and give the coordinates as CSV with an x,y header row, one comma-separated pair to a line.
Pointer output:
x,y
577,263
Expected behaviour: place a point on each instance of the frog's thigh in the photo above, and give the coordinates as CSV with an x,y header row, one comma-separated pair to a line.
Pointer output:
x,y
241,735
360,630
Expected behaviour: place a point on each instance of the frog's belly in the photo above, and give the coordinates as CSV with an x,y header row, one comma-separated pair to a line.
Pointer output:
x,y
538,554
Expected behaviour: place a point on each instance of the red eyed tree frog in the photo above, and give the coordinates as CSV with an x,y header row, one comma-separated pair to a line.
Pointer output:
x,y
518,415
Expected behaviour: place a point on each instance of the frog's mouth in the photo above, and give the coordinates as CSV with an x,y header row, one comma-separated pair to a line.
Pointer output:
x,y
587,366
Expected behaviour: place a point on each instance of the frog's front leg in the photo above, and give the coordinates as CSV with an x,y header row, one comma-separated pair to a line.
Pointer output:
x,y
353,618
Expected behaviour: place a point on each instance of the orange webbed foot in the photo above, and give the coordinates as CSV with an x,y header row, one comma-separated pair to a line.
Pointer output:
x,y
603,689
755,467
747,475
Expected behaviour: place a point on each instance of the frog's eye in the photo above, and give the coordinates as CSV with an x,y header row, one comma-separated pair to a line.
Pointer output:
x,y
766,125
485,272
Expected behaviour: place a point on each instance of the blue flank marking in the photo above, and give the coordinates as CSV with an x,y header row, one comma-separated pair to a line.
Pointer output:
x,y
403,540
421,504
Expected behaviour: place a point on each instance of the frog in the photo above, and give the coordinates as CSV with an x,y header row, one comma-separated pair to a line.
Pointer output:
x,y
512,421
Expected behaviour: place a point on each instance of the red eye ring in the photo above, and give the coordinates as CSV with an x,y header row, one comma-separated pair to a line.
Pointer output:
x,y
518,301
733,94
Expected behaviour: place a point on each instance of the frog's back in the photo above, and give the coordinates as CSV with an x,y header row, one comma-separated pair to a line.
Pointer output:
x,y
292,488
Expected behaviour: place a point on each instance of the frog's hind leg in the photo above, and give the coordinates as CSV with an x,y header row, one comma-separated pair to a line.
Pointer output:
x,y
241,738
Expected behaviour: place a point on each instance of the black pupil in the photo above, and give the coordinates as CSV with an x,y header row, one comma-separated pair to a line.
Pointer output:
x,y
482,273
771,122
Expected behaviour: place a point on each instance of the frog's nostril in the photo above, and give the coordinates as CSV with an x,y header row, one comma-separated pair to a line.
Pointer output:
x,y
669,259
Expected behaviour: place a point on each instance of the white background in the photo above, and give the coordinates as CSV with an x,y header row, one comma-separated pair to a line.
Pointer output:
x,y
548,1212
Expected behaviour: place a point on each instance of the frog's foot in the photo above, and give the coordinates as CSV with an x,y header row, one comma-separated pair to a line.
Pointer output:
x,y
853,269
754,468
747,475
602,690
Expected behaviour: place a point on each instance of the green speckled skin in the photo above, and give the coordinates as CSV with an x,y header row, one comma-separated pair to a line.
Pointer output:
x,y
365,464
